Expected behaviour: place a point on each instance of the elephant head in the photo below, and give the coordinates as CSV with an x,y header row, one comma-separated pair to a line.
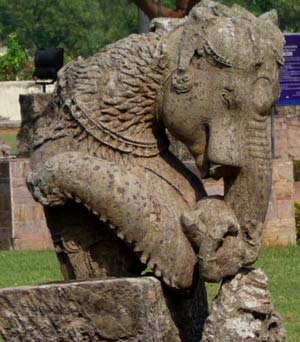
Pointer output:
x,y
220,97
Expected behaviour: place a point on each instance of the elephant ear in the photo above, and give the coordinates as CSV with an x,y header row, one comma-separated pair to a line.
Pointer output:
x,y
193,36
194,40
271,16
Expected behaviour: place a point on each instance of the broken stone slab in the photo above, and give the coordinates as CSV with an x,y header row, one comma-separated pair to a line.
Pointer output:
x,y
243,311
127,309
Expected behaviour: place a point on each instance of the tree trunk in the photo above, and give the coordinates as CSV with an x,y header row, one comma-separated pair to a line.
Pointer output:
x,y
144,22
153,9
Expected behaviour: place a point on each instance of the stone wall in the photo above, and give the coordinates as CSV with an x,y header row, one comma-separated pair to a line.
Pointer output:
x,y
9,97
22,221
297,191
5,207
280,226
287,133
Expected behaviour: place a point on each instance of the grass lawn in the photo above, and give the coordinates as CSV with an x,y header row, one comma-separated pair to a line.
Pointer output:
x,y
281,265
28,267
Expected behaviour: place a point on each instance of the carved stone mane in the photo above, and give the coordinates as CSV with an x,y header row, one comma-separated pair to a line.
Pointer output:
x,y
111,98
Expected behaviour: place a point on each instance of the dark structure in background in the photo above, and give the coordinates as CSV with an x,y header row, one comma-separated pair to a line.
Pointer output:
x,y
47,64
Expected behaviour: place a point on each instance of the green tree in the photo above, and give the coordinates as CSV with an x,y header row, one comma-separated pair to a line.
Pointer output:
x,y
289,11
81,27
13,61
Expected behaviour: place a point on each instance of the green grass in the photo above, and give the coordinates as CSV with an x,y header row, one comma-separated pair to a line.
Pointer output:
x,y
11,140
28,267
281,265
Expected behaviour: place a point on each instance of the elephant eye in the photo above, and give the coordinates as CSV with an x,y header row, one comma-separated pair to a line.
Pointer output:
x,y
225,99
229,98
258,65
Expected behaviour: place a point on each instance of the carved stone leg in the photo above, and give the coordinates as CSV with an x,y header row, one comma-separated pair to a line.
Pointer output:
x,y
86,248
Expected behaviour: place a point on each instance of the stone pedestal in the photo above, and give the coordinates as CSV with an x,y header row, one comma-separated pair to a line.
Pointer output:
x,y
243,311
22,221
127,309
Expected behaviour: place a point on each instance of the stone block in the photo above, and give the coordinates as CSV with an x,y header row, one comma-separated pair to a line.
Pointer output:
x,y
28,212
18,211
5,218
284,191
283,170
33,241
287,138
286,209
4,170
21,195
6,244
23,228
279,232
17,169
5,201
297,191
5,233
127,309
272,212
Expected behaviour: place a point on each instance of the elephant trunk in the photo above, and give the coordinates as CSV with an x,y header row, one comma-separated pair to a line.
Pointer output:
x,y
248,191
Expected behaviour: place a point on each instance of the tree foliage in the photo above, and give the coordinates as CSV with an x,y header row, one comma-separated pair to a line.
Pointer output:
x,y
13,61
288,10
82,27
157,9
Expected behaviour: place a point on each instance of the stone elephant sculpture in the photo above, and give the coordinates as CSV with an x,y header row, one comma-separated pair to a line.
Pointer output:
x,y
100,141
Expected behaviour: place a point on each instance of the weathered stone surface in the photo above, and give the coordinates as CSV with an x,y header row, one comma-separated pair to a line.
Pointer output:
x,y
109,184
243,311
104,126
112,310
